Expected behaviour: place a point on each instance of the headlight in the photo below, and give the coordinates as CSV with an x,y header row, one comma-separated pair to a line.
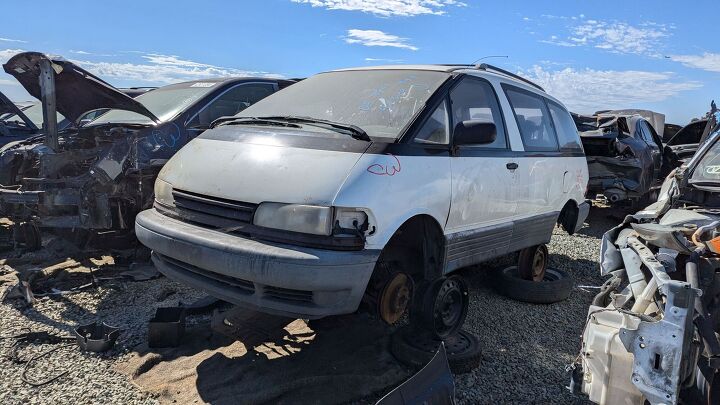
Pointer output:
x,y
163,193
295,217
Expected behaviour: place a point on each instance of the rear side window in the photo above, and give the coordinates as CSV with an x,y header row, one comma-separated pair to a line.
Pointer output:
x,y
475,100
567,134
533,119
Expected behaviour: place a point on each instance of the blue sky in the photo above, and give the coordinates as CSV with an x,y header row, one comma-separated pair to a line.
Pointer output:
x,y
661,55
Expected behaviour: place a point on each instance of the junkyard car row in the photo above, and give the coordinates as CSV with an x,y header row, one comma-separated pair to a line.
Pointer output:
x,y
367,189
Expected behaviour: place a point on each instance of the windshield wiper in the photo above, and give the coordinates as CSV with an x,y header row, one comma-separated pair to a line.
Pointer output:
x,y
251,121
352,130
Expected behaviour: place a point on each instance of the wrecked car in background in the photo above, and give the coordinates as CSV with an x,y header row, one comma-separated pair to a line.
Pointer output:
x,y
683,145
652,331
97,176
15,125
624,153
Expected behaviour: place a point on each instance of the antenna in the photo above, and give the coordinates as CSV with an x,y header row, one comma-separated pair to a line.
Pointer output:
x,y
489,56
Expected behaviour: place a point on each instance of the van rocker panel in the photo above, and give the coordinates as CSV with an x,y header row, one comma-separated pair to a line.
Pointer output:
x,y
269,277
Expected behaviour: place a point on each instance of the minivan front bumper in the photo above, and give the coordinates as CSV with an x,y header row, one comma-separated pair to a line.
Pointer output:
x,y
269,277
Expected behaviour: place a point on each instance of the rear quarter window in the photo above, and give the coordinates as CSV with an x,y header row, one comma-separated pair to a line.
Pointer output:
x,y
533,120
567,134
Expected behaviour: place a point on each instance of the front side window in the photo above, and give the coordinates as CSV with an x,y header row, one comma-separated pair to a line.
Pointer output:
x,y
567,134
533,119
435,130
232,102
380,102
475,100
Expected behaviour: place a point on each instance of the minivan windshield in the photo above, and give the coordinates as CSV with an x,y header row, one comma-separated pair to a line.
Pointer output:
x,y
380,102
165,102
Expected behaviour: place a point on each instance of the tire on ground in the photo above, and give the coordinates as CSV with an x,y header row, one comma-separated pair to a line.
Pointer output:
x,y
556,286
463,350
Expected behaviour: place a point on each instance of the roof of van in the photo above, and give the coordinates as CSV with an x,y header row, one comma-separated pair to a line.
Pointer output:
x,y
449,68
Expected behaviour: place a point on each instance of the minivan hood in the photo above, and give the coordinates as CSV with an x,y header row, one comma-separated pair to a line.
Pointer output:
x,y
77,91
254,165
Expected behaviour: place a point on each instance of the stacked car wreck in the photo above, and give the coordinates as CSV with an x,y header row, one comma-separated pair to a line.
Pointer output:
x,y
651,332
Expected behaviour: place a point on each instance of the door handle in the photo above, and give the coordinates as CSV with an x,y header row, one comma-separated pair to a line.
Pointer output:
x,y
512,166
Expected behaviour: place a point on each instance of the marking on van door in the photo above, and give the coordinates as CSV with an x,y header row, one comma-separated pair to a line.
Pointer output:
x,y
386,170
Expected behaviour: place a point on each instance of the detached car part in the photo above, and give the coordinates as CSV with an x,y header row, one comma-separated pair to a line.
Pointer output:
x,y
652,331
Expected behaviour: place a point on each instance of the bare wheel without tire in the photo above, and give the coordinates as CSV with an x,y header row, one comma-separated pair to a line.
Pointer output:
x,y
533,262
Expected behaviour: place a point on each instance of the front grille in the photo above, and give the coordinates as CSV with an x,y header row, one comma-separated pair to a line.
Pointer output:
x,y
286,294
240,285
213,211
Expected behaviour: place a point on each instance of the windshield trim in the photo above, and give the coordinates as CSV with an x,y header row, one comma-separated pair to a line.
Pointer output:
x,y
700,154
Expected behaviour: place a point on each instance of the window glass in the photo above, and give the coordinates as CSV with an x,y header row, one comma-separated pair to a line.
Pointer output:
x,y
232,102
646,132
533,121
165,102
435,129
567,134
381,102
474,100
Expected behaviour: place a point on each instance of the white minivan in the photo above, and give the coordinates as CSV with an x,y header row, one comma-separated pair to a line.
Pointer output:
x,y
368,186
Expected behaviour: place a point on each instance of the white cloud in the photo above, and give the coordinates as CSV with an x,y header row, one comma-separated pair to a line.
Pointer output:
x,y
616,37
588,90
6,54
12,40
387,8
707,61
377,38
162,69
155,69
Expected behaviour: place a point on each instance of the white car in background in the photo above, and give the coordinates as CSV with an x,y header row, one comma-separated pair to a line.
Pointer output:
x,y
369,185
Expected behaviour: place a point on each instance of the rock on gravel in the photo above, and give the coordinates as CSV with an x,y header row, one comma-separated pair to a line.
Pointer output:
x,y
525,346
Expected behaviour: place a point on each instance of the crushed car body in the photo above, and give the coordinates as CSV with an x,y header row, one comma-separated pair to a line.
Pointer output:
x,y
651,331
97,175
624,153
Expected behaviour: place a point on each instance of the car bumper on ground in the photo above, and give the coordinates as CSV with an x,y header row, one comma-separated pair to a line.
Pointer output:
x,y
269,277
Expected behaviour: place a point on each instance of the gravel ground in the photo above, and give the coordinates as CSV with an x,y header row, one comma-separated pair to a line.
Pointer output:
x,y
525,346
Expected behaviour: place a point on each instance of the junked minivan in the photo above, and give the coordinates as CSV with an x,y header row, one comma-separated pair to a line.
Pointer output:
x,y
368,187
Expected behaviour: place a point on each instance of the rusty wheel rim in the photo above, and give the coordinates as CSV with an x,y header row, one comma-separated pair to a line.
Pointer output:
x,y
539,265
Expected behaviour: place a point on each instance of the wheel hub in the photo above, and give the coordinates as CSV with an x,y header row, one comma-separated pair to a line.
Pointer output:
x,y
539,265
395,297
449,307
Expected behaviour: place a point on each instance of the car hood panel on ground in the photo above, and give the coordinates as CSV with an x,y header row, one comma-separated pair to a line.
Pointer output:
x,y
77,90
260,165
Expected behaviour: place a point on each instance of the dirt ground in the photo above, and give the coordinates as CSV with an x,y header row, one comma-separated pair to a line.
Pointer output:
x,y
276,360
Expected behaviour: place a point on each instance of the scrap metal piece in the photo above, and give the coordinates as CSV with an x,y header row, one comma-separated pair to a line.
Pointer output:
x,y
662,349
96,336
432,385
167,327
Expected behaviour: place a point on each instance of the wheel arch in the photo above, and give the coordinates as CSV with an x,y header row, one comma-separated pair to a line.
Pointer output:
x,y
569,215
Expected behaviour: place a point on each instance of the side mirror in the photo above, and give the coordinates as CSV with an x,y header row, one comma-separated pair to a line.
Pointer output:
x,y
473,132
